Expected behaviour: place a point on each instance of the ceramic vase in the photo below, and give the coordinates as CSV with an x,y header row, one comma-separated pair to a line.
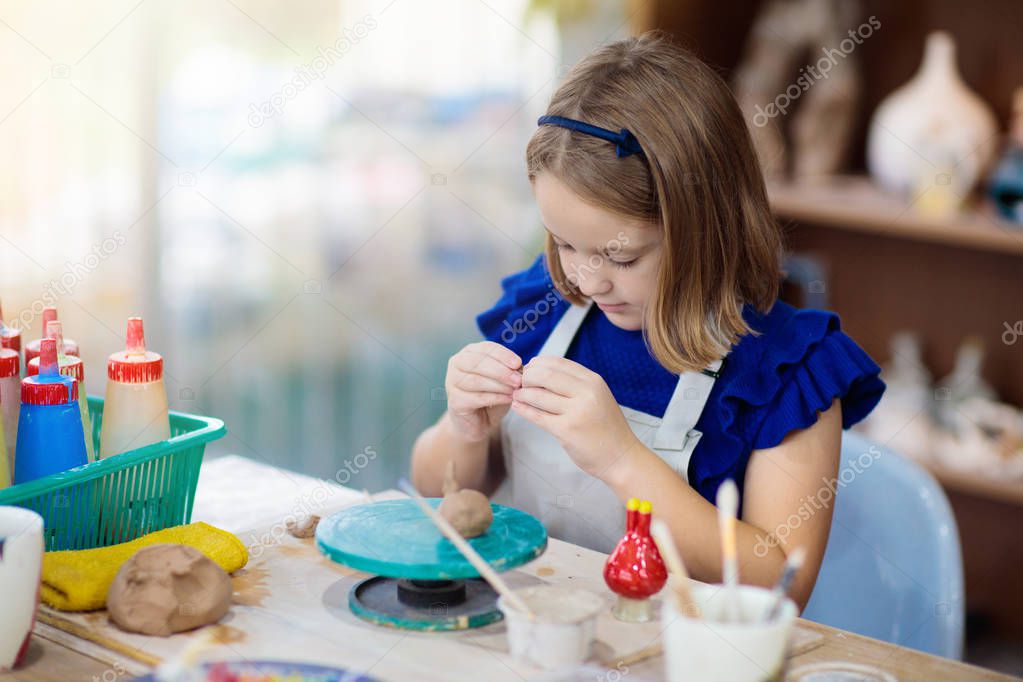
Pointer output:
x,y
932,132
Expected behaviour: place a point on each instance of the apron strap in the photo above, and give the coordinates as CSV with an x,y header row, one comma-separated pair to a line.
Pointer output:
x,y
564,331
686,406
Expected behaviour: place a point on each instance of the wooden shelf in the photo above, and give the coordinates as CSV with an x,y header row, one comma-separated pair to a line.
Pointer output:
x,y
855,204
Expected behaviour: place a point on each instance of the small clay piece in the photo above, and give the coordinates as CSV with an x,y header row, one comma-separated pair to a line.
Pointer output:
x,y
306,528
168,588
467,510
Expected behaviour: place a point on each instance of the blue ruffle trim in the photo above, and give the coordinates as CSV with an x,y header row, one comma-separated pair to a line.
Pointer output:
x,y
804,365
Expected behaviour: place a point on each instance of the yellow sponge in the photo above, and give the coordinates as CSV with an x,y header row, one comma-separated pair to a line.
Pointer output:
x,y
78,580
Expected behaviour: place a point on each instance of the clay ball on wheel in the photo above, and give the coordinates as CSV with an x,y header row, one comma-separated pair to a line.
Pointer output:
x,y
168,588
468,511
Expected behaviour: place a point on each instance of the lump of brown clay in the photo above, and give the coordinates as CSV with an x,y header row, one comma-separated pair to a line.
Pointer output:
x,y
468,511
306,528
168,588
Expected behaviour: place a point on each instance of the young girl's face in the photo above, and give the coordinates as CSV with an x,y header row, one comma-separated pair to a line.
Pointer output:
x,y
611,259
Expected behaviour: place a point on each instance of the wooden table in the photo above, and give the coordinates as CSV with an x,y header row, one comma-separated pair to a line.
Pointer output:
x,y
289,603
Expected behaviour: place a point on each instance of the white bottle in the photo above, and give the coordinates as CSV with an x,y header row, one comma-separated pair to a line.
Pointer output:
x,y
135,409
10,399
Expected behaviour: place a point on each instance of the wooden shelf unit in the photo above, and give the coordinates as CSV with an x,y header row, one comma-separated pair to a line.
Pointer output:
x,y
854,203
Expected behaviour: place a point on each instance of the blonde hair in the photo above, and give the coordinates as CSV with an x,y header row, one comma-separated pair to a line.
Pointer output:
x,y
698,180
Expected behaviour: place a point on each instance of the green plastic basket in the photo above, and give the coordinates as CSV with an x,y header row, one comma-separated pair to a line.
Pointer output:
x,y
120,498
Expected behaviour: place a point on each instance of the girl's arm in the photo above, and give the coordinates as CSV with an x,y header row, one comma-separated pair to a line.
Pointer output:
x,y
478,464
785,505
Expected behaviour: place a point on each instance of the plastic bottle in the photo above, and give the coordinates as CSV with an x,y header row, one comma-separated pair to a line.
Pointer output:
x,y
135,409
50,436
5,467
10,399
9,336
70,366
32,347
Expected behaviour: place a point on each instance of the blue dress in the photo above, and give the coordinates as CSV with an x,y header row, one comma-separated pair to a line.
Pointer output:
x,y
771,384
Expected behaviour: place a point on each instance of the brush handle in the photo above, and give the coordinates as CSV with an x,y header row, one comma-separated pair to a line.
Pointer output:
x,y
684,597
471,555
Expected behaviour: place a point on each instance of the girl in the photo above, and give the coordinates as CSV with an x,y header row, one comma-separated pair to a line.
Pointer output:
x,y
645,353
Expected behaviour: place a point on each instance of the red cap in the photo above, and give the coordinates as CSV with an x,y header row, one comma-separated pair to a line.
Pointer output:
x,y
49,315
10,363
9,336
135,365
32,347
48,387
70,366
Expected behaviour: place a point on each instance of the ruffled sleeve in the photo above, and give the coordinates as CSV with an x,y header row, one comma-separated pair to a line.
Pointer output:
x,y
807,365
526,313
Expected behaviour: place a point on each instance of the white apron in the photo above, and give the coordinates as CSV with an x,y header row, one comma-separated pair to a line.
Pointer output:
x,y
574,506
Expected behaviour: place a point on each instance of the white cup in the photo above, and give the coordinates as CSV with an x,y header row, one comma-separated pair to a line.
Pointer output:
x,y
709,649
563,630
21,562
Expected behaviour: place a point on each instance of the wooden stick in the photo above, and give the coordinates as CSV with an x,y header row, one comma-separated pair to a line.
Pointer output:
x,y
473,557
662,536
85,633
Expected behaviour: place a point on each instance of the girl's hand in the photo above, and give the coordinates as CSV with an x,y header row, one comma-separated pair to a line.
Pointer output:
x,y
479,384
575,405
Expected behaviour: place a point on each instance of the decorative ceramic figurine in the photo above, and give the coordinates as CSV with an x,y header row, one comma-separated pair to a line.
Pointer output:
x,y
903,419
932,134
771,83
1007,181
635,570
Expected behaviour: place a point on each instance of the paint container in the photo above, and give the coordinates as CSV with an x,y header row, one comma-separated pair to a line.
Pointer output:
x,y
709,649
10,399
32,347
50,436
563,631
21,562
135,409
70,366
839,671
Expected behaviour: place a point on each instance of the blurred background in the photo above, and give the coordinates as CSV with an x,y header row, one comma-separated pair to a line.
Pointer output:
x,y
309,203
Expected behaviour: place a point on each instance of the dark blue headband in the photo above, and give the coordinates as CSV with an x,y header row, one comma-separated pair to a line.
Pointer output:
x,y
624,141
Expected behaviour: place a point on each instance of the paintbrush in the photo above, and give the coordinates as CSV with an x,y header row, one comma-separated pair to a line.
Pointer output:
x,y
728,507
471,555
781,588
680,586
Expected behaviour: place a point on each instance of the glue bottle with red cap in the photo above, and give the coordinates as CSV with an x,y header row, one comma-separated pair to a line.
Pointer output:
x,y
50,435
9,336
70,366
10,399
32,347
135,409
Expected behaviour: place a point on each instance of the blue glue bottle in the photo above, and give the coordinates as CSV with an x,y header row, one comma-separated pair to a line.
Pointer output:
x,y
50,434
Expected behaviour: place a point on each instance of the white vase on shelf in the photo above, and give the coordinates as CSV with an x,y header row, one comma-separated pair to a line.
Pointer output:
x,y
932,134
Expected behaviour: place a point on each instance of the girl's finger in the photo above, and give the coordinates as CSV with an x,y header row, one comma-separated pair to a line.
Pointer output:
x,y
531,414
541,399
477,383
551,378
475,400
558,364
503,355
488,366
